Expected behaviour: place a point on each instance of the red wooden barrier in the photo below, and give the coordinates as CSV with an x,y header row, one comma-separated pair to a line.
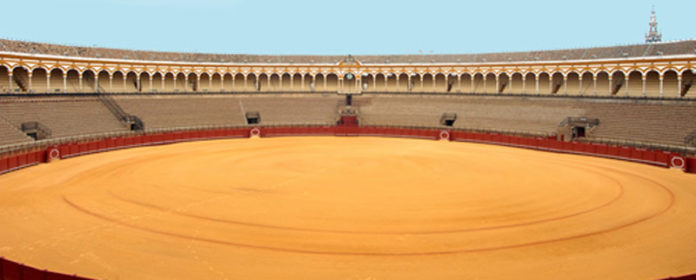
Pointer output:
x,y
691,164
10,270
3,164
93,146
625,152
21,160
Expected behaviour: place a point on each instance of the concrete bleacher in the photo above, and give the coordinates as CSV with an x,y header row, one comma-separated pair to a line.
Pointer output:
x,y
64,116
171,111
9,134
650,122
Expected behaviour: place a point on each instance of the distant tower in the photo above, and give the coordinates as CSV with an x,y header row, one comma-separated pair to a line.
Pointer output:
x,y
653,36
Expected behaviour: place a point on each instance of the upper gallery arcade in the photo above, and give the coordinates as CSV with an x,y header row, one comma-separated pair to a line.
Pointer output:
x,y
654,70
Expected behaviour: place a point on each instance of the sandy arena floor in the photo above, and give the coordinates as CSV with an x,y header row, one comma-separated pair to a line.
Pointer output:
x,y
349,208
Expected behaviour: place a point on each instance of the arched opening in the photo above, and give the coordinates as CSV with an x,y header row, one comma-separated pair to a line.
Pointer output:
x,y
453,83
145,82
380,82
603,85
193,83
228,82
617,83
117,82
286,82
465,84
391,82
687,82
73,81
216,83
307,83
20,80
557,83
529,84
671,84
349,82
332,82
157,82
572,85
4,79
251,82
89,81
39,80
544,83
503,83
367,82
169,82
479,83
652,84
402,83
516,83
297,82
263,83
587,84
204,82
489,83
180,83
319,83
440,81
416,83
239,84
274,82
428,83
56,80
103,81
635,84
132,82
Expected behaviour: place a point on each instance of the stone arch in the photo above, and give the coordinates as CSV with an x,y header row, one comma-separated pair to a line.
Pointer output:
x,y
652,83
5,84
239,83
587,86
440,83
20,79
307,85
635,83
169,84
319,83
117,82
56,80
465,83
670,87
544,83
204,81
39,80
403,83
603,84
262,82
503,83
180,82
73,81
380,82
489,83
618,86
192,83
103,81
391,82
274,80
350,81
529,83
228,82
687,82
479,83
557,83
157,80
572,83
89,81
216,82
515,83
286,82
332,82
428,83
144,82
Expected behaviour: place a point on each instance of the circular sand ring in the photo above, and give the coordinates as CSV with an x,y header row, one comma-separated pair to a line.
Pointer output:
x,y
678,162
444,135
255,132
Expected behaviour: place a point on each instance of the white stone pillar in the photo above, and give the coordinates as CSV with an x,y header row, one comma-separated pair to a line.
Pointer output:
x,y
626,81
524,84
661,85
80,82
48,81
65,82
679,86
594,84
536,77
580,85
565,85
611,90
459,83
302,86
29,76
111,82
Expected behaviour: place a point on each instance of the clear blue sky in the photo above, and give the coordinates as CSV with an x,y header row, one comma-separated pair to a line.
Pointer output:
x,y
342,27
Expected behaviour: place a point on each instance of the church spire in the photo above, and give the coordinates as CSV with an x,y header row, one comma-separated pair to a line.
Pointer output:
x,y
653,36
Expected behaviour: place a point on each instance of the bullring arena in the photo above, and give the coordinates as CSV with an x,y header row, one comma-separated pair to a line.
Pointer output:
x,y
573,164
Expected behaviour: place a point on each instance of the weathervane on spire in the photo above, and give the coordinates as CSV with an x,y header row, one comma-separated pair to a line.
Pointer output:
x,y
653,36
